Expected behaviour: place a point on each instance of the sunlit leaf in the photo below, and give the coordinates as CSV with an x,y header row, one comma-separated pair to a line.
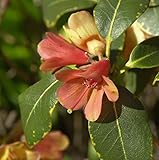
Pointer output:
x,y
54,9
156,79
148,21
37,104
154,3
91,152
113,17
145,55
126,138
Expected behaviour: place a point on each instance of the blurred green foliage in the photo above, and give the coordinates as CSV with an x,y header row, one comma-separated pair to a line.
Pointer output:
x,y
21,28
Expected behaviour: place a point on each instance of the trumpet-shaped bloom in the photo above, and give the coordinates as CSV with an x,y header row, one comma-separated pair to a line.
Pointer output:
x,y
56,53
86,87
83,87
83,33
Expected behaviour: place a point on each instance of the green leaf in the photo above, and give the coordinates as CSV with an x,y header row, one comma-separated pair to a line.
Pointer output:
x,y
113,17
54,9
127,137
37,104
156,78
118,44
91,152
130,81
148,21
145,55
133,79
154,3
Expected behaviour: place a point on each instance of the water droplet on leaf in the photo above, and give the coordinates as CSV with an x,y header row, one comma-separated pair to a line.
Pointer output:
x,y
69,111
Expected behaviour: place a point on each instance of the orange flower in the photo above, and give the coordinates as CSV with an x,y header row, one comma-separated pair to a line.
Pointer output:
x,y
56,53
50,148
86,87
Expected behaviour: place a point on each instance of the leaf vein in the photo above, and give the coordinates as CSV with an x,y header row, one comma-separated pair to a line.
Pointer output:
x,y
142,58
38,100
119,131
106,14
108,134
118,138
113,18
55,2
111,5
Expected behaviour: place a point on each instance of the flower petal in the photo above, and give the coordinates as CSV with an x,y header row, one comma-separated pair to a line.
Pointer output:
x,y
83,23
94,106
67,75
54,46
95,47
52,64
93,71
96,70
74,37
82,31
73,94
110,90
52,145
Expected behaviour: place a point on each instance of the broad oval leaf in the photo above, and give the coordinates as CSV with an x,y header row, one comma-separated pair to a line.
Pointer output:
x,y
126,138
156,78
54,9
36,105
148,21
145,55
113,17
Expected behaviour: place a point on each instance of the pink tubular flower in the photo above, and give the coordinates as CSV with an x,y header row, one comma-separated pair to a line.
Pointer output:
x,y
86,87
56,53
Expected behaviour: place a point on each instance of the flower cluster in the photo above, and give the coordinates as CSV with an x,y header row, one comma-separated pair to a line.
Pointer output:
x,y
85,86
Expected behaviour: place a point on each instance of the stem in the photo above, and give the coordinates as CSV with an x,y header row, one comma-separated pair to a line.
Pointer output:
x,y
108,45
100,57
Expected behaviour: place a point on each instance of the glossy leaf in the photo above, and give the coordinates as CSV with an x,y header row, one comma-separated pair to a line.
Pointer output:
x,y
118,44
156,78
133,79
145,55
113,17
125,138
148,21
130,81
37,104
53,10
